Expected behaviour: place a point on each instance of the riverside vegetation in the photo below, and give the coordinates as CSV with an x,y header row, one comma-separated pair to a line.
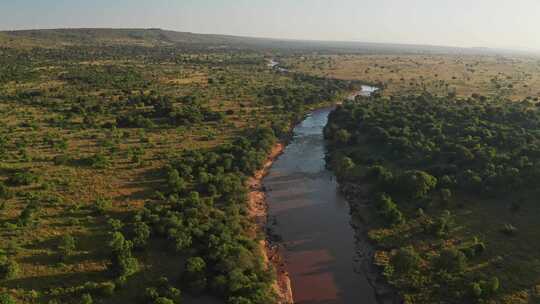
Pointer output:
x,y
124,157
124,161
449,188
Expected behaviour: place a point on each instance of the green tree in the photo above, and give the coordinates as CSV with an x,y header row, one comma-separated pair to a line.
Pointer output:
x,y
416,184
406,260
67,245
9,269
141,233
389,209
162,300
195,275
6,299
451,260
476,290
86,299
343,136
123,264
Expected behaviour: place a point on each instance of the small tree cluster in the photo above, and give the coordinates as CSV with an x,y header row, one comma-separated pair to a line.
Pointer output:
x,y
123,264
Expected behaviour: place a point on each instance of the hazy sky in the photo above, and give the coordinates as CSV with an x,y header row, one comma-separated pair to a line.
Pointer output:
x,y
493,23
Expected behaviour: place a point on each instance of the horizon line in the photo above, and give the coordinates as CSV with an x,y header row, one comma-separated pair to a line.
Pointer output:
x,y
412,44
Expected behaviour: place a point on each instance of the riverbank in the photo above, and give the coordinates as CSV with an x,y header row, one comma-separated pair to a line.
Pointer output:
x,y
359,204
310,220
258,209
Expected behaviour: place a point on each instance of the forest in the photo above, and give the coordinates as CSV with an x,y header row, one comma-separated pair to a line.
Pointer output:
x,y
450,183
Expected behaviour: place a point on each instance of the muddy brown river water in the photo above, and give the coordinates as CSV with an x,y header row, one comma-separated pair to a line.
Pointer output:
x,y
312,218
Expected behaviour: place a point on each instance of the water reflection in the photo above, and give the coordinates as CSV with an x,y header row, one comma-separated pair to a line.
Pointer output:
x,y
312,219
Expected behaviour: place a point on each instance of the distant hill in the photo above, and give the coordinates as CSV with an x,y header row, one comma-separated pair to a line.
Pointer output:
x,y
51,38
150,37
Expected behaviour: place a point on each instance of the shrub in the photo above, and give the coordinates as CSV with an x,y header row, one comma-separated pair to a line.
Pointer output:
x,y
476,290
5,192
98,161
28,215
494,285
123,264
446,195
389,210
406,260
163,300
176,183
107,289
134,121
116,225
9,269
86,299
451,260
102,205
416,184
67,245
151,294
141,233
380,175
6,299
61,159
22,179
195,275
342,136
441,225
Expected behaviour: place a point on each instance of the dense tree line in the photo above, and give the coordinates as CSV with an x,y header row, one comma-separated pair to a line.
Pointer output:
x,y
203,215
411,156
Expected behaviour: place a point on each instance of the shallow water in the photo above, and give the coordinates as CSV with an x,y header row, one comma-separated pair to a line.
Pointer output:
x,y
313,220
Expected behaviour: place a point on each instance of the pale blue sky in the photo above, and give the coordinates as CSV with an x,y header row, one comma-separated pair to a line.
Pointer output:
x,y
493,23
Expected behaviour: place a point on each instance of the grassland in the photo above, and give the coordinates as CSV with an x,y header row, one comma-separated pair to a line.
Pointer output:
x,y
505,77
88,124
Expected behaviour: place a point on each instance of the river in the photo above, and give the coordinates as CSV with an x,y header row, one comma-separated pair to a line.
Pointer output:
x,y
312,219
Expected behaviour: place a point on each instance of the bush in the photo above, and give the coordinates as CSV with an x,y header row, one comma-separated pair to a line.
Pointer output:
x,y
134,121
5,192
389,210
61,160
162,292
67,245
102,205
28,215
441,226
406,260
476,290
380,175
123,264
86,299
494,285
342,137
22,179
106,289
195,275
141,233
6,299
416,184
116,225
163,300
9,269
97,161
451,260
